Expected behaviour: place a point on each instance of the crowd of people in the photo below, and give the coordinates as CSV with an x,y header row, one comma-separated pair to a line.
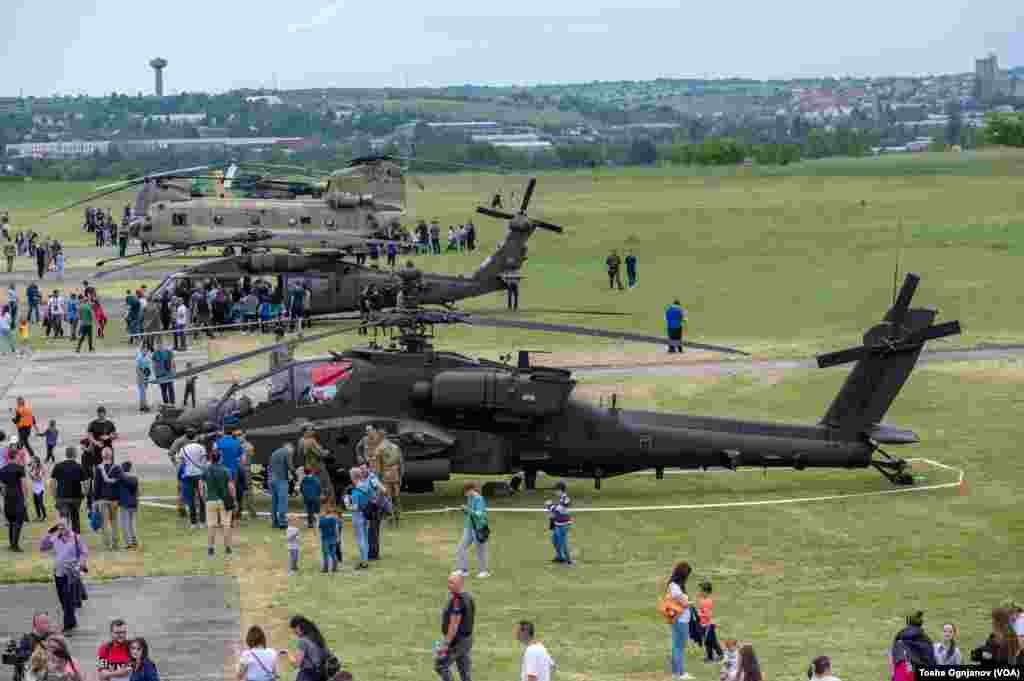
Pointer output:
x,y
78,316
459,238
692,620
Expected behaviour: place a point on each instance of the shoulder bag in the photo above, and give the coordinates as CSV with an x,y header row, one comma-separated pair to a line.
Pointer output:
x,y
669,608
483,533
274,675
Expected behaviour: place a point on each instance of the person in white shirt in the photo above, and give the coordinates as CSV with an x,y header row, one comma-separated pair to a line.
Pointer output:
x,y
6,333
180,324
258,662
537,664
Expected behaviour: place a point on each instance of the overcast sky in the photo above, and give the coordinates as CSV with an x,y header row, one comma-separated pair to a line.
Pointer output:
x,y
99,46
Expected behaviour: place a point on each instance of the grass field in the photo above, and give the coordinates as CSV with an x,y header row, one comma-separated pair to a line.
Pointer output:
x,y
780,261
797,580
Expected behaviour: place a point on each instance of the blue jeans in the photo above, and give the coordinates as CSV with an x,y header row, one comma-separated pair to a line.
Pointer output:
x,y
328,555
680,633
279,503
561,539
359,524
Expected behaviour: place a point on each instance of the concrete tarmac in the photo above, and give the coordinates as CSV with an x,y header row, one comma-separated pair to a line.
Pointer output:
x,y
190,623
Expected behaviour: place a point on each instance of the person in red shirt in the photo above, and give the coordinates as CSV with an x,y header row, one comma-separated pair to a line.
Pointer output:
x,y
712,651
113,659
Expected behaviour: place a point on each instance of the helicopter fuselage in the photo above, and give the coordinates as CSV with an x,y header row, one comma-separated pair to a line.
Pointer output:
x,y
296,224
454,414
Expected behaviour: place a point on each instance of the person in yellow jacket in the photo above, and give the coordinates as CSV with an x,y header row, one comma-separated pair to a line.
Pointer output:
x,y
24,421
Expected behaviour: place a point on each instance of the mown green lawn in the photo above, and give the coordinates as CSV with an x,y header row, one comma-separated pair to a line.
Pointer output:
x,y
779,261
798,580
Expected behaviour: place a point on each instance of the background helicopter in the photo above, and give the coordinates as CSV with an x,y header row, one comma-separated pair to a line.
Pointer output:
x,y
364,200
455,414
338,286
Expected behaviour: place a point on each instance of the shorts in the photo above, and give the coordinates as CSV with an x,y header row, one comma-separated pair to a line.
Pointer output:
x,y
215,514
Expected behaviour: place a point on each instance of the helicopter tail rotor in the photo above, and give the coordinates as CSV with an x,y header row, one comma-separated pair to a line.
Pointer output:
x,y
883,363
527,196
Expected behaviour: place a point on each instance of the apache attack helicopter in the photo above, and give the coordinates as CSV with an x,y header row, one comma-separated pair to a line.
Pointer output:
x,y
365,200
454,414
338,286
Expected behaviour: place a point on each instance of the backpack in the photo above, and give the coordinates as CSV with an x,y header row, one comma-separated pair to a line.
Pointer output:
x,y
330,666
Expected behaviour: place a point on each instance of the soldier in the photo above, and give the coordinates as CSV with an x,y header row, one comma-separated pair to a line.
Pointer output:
x,y
245,475
313,454
392,469
374,460
435,236
9,252
614,263
361,446
366,296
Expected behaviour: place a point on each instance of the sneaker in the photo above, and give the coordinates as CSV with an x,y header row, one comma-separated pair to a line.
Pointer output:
x,y
686,677
209,551
570,563
483,574
461,573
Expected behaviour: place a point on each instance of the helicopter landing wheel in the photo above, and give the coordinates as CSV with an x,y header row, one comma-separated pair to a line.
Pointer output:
x,y
530,478
229,251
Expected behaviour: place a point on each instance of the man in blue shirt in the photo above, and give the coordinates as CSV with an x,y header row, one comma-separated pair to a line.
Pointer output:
x,y
675,316
163,367
230,450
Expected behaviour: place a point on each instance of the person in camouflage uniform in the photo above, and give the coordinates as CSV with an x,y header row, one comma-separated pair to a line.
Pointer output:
x,y
245,474
392,469
313,454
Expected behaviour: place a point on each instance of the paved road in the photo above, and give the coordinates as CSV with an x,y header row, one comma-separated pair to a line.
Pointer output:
x,y
191,623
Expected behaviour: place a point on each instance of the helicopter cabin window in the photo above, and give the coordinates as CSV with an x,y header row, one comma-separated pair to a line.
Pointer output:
x,y
218,220
179,219
329,223
254,220
292,222
306,220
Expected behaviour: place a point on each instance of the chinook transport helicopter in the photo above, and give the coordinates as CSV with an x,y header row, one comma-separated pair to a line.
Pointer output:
x,y
365,200
337,285
454,414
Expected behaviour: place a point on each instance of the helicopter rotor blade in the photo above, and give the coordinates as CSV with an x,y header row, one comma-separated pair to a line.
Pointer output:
x,y
125,184
533,310
596,333
501,215
234,359
530,186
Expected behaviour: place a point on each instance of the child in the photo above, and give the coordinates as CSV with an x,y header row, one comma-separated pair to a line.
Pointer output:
x,y
128,504
37,473
293,547
330,540
190,388
560,523
311,491
730,658
51,434
712,651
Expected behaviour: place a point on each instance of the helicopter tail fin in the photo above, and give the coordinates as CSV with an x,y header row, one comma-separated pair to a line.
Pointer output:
x,y
509,257
883,364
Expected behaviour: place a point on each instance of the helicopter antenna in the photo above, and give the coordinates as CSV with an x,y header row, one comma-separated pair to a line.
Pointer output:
x,y
899,256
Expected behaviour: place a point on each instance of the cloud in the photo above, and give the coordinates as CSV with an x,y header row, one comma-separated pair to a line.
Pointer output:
x,y
321,18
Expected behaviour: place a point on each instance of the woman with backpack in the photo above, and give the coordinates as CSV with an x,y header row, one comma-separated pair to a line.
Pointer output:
x,y
312,658
910,649
681,624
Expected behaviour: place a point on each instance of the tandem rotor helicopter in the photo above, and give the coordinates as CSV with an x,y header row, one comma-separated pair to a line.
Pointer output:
x,y
338,286
451,413
363,201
